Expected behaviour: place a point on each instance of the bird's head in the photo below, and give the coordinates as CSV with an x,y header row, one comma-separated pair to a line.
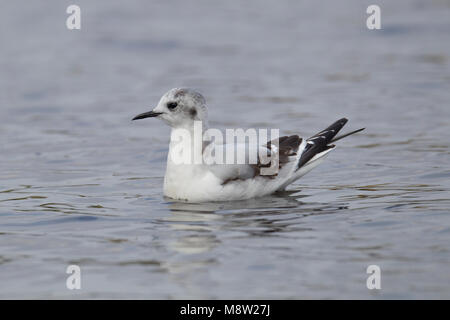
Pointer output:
x,y
179,108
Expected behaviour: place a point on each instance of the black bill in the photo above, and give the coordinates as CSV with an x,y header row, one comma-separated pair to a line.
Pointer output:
x,y
150,114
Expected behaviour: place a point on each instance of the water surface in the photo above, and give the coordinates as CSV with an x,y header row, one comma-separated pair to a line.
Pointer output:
x,y
82,184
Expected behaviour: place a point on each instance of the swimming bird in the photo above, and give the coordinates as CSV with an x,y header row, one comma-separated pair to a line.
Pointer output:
x,y
193,173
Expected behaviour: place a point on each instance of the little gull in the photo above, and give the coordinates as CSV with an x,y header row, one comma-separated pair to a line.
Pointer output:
x,y
183,108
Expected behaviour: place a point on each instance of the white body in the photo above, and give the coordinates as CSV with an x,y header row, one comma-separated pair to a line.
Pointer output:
x,y
203,183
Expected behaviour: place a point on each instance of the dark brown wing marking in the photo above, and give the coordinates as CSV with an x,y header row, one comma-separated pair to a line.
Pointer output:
x,y
287,147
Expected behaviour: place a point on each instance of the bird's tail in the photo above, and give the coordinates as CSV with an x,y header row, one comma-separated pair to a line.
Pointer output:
x,y
321,142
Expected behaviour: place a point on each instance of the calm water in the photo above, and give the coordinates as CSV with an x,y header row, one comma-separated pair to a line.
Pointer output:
x,y
82,184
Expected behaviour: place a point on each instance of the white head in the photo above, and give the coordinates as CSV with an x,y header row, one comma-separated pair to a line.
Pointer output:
x,y
179,108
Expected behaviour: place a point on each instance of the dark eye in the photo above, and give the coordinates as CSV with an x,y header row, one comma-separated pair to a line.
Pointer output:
x,y
172,105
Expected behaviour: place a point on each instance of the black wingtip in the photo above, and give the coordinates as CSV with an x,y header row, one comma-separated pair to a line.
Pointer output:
x,y
346,135
320,141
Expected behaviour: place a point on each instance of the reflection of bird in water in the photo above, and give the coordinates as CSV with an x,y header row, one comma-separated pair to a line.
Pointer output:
x,y
259,217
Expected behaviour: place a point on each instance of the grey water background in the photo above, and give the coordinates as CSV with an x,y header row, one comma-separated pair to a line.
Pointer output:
x,y
82,184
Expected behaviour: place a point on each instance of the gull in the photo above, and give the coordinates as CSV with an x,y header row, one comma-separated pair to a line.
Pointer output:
x,y
206,181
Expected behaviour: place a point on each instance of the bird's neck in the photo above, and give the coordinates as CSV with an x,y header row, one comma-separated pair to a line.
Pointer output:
x,y
187,143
